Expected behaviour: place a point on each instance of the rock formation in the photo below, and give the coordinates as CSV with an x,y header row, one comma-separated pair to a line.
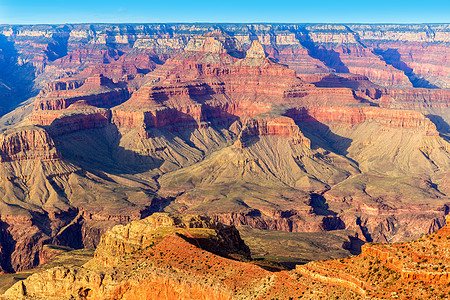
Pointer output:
x,y
159,237
418,267
167,256
256,51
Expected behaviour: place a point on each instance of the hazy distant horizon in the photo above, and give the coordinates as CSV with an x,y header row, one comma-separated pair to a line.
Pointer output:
x,y
219,23
51,12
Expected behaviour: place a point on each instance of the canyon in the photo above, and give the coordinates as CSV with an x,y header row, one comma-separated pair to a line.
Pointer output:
x,y
286,128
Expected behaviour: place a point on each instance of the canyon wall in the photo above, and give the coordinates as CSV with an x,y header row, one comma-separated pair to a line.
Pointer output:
x,y
389,55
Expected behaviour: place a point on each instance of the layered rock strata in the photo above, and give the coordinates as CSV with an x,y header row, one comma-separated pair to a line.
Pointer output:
x,y
168,256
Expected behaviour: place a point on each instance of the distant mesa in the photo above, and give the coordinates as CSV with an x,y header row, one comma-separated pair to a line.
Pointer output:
x,y
215,41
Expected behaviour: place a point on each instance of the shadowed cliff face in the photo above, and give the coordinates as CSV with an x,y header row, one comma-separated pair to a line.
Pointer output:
x,y
136,121
16,77
393,58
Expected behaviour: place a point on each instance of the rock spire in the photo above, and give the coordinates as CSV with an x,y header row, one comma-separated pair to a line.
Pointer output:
x,y
256,50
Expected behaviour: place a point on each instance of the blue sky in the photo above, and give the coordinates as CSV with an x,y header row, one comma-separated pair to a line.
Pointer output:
x,y
227,11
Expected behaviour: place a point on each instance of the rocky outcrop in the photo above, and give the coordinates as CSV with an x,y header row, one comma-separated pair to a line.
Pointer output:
x,y
24,237
86,55
290,221
20,244
127,239
96,91
78,116
256,50
69,106
418,251
76,121
417,98
62,84
419,262
27,143
184,117
297,57
334,279
331,80
152,238
217,42
130,64
76,282
102,99
386,117
279,127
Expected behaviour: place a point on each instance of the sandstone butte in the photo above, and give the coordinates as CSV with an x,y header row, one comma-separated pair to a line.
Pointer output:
x,y
171,256
303,128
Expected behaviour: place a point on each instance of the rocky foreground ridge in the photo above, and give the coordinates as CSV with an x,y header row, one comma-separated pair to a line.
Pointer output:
x,y
290,128
167,256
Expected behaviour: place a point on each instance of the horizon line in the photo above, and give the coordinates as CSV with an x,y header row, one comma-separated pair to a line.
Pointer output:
x,y
228,23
